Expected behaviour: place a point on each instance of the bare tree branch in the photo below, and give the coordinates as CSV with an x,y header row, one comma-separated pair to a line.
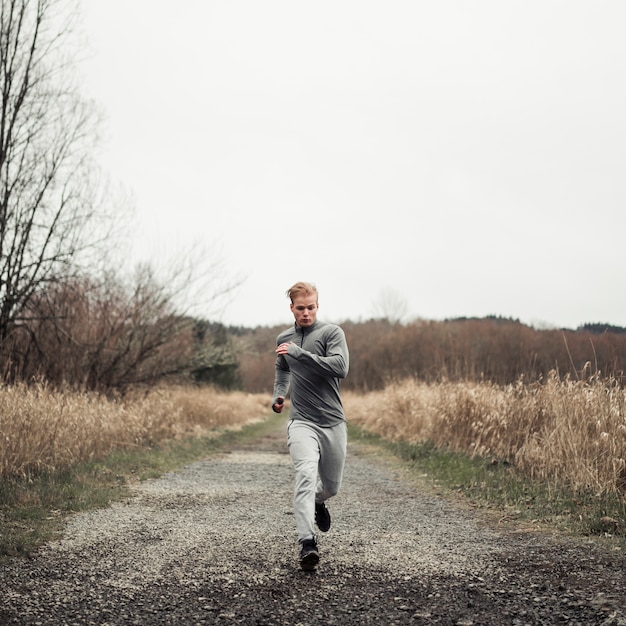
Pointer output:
x,y
46,130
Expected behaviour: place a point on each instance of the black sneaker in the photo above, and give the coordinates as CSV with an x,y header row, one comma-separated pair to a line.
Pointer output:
x,y
309,556
322,517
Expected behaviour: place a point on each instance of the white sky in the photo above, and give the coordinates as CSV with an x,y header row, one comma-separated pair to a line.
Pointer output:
x,y
469,157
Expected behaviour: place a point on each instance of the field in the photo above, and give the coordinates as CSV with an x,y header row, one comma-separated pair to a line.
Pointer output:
x,y
559,432
49,431
558,436
551,453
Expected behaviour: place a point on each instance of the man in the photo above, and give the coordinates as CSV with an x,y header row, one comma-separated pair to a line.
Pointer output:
x,y
312,358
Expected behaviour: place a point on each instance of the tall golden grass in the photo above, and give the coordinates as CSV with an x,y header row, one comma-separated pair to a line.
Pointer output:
x,y
565,431
561,431
43,430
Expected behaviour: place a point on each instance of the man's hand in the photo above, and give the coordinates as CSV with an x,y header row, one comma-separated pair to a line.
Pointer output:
x,y
277,407
283,348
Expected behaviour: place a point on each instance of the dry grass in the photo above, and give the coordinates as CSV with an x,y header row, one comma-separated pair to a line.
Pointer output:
x,y
568,432
562,431
46,430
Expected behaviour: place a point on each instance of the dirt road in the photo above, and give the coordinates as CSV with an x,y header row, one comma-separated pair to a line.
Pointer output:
x,y
215,544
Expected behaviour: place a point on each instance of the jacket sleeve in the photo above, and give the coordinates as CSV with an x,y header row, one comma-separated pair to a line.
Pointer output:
x,y
282,377
334,363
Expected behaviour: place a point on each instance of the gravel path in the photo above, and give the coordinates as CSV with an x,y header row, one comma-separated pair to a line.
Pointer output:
x,y
215,543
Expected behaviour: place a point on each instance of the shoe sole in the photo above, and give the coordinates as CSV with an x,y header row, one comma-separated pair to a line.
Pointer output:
x,y
309,561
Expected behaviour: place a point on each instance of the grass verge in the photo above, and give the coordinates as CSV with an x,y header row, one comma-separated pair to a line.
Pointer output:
x,y
501,490
32,511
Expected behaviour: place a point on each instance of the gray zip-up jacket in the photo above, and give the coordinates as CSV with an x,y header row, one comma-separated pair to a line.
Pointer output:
x,y
311,371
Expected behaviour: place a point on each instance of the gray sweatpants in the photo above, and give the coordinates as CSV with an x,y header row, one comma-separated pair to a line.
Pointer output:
x,y
318,455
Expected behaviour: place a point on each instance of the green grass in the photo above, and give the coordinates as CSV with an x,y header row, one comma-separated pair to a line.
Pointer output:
x,y
500,489
32,510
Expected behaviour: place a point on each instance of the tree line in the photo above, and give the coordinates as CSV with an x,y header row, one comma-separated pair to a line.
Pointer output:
x,y
500,350
109,336
108,339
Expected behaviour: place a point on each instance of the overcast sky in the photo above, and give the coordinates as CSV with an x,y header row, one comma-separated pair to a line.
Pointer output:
x,y
468,158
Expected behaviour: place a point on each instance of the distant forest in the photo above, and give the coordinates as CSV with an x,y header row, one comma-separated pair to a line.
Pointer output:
x,y
112,345
501,350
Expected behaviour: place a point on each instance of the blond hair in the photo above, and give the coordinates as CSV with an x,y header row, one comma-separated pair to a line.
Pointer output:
x,y
301,289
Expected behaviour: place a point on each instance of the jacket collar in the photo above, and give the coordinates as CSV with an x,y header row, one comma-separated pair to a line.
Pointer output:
x,y
302,329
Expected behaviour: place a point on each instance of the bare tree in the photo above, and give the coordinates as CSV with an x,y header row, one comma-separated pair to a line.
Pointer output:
x,y
104,334
46,141
111,330
391,305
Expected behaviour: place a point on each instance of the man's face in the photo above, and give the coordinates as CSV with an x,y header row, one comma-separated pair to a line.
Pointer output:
x,y
304,309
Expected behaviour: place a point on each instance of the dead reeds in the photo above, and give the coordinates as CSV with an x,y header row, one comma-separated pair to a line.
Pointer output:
x,y
44,430
560,430
563,431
